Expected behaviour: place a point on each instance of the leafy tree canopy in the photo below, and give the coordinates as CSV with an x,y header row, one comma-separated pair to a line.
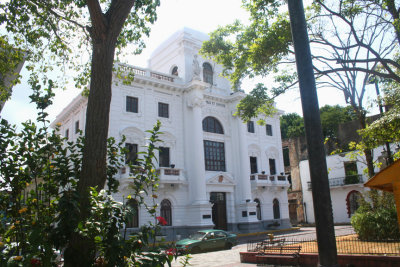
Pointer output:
x,y
59,34
346,37
10,57
292,124
386,128
332,116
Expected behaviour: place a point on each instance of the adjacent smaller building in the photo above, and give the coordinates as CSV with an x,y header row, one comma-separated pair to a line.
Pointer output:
x,y
346,181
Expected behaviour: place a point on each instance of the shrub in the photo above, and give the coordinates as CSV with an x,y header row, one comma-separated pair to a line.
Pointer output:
x,y
376,219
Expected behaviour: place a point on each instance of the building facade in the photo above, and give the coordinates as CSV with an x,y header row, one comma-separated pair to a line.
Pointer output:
x,y
215,171
346,174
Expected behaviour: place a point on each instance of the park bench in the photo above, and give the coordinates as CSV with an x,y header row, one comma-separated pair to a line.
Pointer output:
x,y
279,254
270,243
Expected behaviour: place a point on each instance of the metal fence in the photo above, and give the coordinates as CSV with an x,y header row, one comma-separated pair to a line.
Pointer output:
x,y
345,245
341,181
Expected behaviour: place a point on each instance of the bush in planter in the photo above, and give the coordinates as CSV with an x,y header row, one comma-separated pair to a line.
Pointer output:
x,y
351,179
376,219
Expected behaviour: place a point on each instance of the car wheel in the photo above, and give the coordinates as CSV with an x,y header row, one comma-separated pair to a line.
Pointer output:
x,y
228,245
196,250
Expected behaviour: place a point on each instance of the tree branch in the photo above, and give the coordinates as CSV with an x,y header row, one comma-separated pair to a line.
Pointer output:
x,y
99,22
373,72
117,14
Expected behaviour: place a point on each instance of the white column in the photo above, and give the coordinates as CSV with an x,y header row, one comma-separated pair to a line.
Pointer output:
x,y
245,203
199,212
198,175
244,162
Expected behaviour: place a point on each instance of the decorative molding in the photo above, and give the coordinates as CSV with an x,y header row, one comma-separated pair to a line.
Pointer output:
x,y
222,179
195,102
134,135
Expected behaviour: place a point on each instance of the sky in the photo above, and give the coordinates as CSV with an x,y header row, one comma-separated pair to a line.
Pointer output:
x,y
173,15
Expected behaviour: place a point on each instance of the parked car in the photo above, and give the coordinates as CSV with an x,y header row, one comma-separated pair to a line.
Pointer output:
x,y
206,240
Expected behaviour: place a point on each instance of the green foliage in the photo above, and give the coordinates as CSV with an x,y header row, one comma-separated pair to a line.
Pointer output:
x,y
292,125
40,206
257,98
351,179
347,38
251,50
57,34
332,116
10,57
386,128
37,179
376,219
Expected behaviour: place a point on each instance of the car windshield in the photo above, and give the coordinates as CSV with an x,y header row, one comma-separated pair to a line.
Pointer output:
x,y
197,236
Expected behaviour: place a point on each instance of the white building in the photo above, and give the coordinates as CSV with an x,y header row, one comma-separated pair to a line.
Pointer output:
x,y
211,164
346,180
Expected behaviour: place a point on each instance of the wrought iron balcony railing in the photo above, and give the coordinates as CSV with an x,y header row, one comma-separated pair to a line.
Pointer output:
x,y
342,181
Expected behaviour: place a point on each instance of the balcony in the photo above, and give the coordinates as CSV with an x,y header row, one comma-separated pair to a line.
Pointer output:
x,y
263,180
170,176
343,181
166,175
148,73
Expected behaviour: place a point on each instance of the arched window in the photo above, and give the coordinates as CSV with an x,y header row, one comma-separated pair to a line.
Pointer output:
x,y
277,212
258,208
207,73
166,211
352,202
133,219
174,71
212,125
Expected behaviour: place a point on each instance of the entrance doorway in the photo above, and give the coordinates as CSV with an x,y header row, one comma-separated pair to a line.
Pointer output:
x,y
218,199
293,211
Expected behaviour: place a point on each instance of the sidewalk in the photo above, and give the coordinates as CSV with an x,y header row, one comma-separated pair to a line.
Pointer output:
x,y
231,258
243,238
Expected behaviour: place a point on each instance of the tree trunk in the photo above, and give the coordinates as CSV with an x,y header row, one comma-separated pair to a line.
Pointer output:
x,y
104,32
93,172
367,152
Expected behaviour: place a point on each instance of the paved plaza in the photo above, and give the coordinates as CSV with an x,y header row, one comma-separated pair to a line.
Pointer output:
x,y
231,258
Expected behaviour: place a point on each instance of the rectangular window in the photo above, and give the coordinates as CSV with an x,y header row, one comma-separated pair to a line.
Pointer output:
x,y
131,154
67,134
214,156
350,168
253,165
250,126
272,167
76,126
286,159
163,110
164,156
132,104
268,129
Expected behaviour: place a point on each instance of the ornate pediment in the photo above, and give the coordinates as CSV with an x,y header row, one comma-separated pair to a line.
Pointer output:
x,y
221,178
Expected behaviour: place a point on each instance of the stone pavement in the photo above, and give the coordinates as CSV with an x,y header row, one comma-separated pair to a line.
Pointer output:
x,y
231,258
222,258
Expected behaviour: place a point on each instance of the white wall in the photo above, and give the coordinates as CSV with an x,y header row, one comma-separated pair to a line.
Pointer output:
x,y
339,194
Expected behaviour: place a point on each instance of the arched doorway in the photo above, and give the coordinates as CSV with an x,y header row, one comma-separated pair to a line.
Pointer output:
x,y
352,202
